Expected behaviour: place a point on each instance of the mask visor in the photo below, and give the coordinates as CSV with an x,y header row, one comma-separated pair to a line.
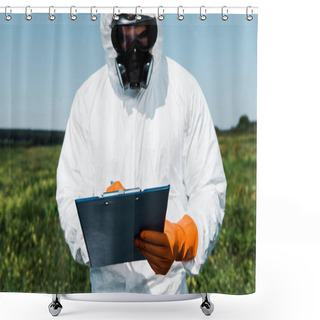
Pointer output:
x,y
144,35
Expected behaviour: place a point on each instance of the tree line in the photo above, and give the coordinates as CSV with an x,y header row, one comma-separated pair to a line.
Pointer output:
x,y
29,137
244,126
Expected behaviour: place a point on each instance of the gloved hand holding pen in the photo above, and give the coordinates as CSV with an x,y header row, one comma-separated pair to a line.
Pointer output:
x,y
178,242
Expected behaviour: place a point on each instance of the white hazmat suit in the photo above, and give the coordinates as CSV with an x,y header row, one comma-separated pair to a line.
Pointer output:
x,y
162,135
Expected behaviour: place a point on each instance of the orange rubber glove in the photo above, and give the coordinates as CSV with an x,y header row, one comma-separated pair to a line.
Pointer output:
x,y
116,186
179,242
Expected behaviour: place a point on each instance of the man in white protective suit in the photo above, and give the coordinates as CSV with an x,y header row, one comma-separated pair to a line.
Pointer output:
x,y
143,120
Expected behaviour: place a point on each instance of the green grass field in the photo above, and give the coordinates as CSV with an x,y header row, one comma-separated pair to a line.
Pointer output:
x,y
35,258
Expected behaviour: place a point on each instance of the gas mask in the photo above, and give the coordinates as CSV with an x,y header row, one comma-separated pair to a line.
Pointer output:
x,y
133,39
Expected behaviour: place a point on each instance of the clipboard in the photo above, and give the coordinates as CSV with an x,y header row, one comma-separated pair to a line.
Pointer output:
x,y
110,223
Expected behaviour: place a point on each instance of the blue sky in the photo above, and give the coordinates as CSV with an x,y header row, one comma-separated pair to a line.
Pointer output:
x,y
44,62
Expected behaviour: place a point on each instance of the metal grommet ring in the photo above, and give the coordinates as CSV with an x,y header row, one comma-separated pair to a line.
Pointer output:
x,y
93,16
160,16
203,12
224,13
180,15
28,16
249,17
51,15
73,16
115,16
138,16
6,15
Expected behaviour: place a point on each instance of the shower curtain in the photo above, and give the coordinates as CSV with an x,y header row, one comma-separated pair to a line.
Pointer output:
x,y
74,125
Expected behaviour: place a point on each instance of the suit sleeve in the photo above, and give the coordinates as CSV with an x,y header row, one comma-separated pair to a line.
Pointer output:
x,y
74,177
204,179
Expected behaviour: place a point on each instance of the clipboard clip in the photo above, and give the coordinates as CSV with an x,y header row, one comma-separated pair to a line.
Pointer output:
x,y
125,191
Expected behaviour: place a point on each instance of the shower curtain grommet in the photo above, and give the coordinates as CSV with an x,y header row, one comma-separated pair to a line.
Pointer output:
x,y
52,17
55,306
6,15
138,16
160,16
224,13
203,13
28,16
180,15
115,15
73,16
93,17
207,306
249,17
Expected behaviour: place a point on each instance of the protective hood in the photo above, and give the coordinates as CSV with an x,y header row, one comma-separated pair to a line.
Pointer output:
x,y
110,54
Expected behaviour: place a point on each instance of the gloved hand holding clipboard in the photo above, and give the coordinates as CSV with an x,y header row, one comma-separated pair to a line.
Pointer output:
x,y
111,223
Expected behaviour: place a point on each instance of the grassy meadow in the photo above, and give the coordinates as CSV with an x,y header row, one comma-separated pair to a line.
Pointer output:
x,y
35,258
231,266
